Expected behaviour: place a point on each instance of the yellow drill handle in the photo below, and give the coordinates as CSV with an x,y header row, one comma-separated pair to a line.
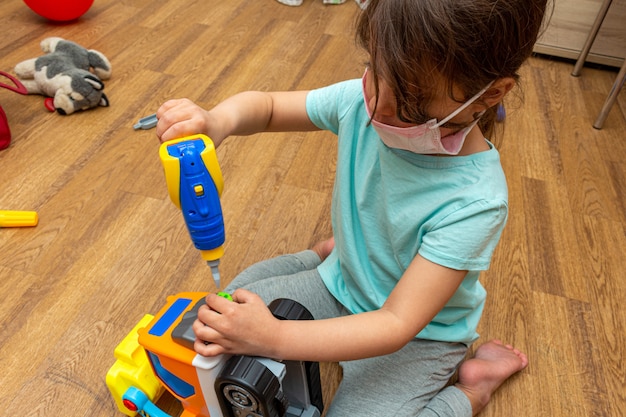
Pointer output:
x,y
171,166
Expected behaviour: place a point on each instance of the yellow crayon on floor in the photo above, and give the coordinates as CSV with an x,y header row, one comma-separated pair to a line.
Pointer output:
x,y
13,218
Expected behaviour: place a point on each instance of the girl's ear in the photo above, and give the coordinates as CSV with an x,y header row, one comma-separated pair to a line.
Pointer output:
x,y
497,91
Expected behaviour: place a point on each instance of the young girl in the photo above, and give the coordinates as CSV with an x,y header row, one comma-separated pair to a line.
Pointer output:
x,y
419,203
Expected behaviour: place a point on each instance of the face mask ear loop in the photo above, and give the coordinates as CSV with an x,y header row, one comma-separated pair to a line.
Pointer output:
x,y
369,113
464,105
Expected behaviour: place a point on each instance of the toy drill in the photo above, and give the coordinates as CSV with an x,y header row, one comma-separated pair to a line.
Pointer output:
x,y
194,181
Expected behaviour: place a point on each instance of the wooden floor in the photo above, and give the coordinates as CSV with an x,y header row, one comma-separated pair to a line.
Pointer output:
x,y
110,246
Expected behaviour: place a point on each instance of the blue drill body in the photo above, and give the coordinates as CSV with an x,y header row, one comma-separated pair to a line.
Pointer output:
x,y
197,195
202,210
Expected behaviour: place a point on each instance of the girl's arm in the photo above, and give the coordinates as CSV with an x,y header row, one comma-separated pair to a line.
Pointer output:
x,y
242,114
247,326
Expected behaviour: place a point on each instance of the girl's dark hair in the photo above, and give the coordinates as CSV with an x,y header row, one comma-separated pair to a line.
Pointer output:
x,y
467,42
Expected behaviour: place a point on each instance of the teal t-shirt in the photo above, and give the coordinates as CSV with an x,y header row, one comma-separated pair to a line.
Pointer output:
x,y
389,205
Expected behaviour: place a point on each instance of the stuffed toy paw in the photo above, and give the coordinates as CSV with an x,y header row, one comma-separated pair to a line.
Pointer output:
x,y
69,73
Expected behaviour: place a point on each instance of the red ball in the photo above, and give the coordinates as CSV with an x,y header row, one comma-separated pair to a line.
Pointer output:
x,y
59,10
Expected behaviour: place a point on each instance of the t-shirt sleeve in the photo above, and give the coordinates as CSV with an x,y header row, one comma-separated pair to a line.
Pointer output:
x,y
326,105
466,238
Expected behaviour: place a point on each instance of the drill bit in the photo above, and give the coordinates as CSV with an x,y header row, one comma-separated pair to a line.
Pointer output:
x,y
215,271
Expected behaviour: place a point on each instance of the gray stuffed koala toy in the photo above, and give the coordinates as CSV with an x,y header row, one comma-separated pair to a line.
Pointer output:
x,y
65,73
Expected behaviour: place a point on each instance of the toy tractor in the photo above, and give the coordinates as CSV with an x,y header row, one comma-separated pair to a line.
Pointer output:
x,y
158,355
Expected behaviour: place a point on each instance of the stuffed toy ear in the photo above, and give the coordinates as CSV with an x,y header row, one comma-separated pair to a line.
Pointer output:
x,y
94,81
104,101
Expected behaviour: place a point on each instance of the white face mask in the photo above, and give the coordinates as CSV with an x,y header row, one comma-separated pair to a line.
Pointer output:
x,y
425,138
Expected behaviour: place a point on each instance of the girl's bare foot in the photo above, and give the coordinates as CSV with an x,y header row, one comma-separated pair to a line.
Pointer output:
x,y
492,364
324,248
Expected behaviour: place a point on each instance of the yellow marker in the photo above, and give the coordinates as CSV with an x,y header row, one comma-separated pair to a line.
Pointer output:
x,y
9,218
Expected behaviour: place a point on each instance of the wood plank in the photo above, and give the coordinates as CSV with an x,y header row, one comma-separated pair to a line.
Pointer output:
x,y
110,246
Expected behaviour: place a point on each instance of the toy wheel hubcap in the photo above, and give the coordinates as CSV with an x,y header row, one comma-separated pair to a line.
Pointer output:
x,y
245,404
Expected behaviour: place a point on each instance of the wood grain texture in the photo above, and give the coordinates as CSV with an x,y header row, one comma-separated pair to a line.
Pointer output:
x,y
110,246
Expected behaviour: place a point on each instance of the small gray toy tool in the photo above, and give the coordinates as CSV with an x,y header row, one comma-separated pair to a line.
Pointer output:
x,y
146,123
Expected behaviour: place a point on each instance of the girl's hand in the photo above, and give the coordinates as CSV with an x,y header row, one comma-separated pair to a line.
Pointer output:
x,y
242,326
182,117
243,114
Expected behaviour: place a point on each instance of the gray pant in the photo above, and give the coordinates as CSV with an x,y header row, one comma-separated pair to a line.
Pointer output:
x,y
410,382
